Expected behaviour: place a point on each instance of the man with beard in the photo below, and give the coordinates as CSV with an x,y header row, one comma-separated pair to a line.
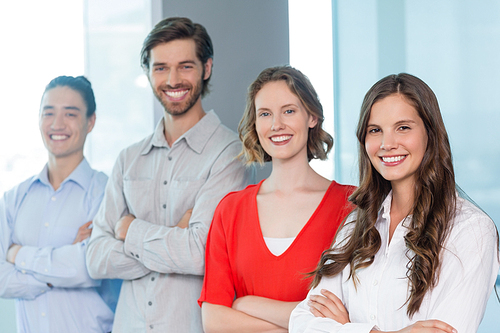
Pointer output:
x,y
152,226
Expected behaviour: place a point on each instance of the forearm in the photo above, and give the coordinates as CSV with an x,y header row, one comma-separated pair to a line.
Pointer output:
x,y
167,249
222,319
62,267
273,311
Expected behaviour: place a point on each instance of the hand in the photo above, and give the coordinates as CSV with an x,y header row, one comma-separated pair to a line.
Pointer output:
x,y
184,222
328,306
83,232
121,227
12,253
428,326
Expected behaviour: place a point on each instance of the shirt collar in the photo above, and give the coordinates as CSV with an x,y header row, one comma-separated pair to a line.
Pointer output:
x,y
81,175
196,137
385,211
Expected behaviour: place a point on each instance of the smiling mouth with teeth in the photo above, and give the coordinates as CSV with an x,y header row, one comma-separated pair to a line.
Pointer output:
x,y
393,158
281,138
58,137
177,93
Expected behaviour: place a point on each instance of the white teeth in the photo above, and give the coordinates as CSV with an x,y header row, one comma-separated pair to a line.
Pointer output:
x,y
176,94
58,137
281,138
393,159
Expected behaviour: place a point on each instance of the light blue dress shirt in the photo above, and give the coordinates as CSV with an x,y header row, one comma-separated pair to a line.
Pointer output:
x,y
45,223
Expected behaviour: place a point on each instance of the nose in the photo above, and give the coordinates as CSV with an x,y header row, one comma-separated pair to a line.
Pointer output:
x,y
58,122
388,142
277,123
173,78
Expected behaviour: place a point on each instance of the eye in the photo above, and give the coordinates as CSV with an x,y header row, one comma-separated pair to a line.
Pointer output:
x,y
159,69
403,128
187,66
373,130
46,114
71,114
264,114
289,111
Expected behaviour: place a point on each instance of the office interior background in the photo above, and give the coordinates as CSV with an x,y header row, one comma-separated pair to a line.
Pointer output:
x,y
344,46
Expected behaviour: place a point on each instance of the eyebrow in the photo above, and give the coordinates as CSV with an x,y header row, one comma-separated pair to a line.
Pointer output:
x,y
156,64
50,107
404,121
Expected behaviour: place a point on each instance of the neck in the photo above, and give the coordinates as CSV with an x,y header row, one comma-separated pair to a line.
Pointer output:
x,y
59,168
177,125
402,198
288,175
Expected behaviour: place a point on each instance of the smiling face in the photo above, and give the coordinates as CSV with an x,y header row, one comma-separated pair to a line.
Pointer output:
x,y
63,122
176,75
282,123
396,139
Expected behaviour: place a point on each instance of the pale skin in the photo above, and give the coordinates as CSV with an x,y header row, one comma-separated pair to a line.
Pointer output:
x,y
394,129
285,202
63,112
174,68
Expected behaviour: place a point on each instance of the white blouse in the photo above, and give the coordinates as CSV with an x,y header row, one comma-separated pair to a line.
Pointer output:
x,y
470,263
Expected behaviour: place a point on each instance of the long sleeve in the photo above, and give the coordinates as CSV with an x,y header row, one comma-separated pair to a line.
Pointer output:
x,y
105,256
174,250
14,283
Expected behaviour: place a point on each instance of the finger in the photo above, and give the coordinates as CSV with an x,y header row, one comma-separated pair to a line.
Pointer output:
x,y
316,312
434,323
86,225
331,296
323,305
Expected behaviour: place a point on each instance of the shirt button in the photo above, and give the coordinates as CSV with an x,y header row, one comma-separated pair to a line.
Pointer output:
x,y
53,198
151,326
153,278
23,271
164,206
375,282
46,270
137,256
46,224
132,253
43,314
372,317
164,182
23,264
150,303
170,158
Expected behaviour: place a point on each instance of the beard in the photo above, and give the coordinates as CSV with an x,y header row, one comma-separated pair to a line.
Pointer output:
x,y
180,108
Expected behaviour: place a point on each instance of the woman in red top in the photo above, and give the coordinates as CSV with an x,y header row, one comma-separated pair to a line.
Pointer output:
x,y
265,238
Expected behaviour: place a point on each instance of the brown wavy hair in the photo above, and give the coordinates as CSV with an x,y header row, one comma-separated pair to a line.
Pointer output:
x,y
319,142
435,197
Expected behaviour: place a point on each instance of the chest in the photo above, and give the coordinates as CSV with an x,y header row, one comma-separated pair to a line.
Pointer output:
x,y
161,186
48,218
283,216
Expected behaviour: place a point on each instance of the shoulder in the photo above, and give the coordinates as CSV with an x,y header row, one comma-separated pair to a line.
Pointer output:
x,y
341,190
472,226
235,198
136,148
98,183
12,198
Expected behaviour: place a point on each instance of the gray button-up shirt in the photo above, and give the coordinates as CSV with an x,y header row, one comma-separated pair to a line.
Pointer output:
x,y
163,265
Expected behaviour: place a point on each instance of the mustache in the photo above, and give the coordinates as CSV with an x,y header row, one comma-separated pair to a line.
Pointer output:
x,y
178,86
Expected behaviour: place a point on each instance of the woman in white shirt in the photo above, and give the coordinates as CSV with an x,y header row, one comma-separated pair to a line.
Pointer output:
x,y
413,256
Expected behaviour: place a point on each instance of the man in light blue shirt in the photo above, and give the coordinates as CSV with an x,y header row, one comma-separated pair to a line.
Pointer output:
x,y
45,220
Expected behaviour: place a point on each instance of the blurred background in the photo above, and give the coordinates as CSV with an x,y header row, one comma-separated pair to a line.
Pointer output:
x,y
343,46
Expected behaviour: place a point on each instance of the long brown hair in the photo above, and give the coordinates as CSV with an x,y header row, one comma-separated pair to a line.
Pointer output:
x,y
319,142
435,197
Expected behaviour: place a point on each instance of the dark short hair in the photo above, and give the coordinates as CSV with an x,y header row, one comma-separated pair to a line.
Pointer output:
x,y
79,84
174,28
319,142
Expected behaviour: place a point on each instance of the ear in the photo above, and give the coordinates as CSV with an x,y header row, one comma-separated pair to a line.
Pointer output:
x,y
313,121
90,123
208,68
